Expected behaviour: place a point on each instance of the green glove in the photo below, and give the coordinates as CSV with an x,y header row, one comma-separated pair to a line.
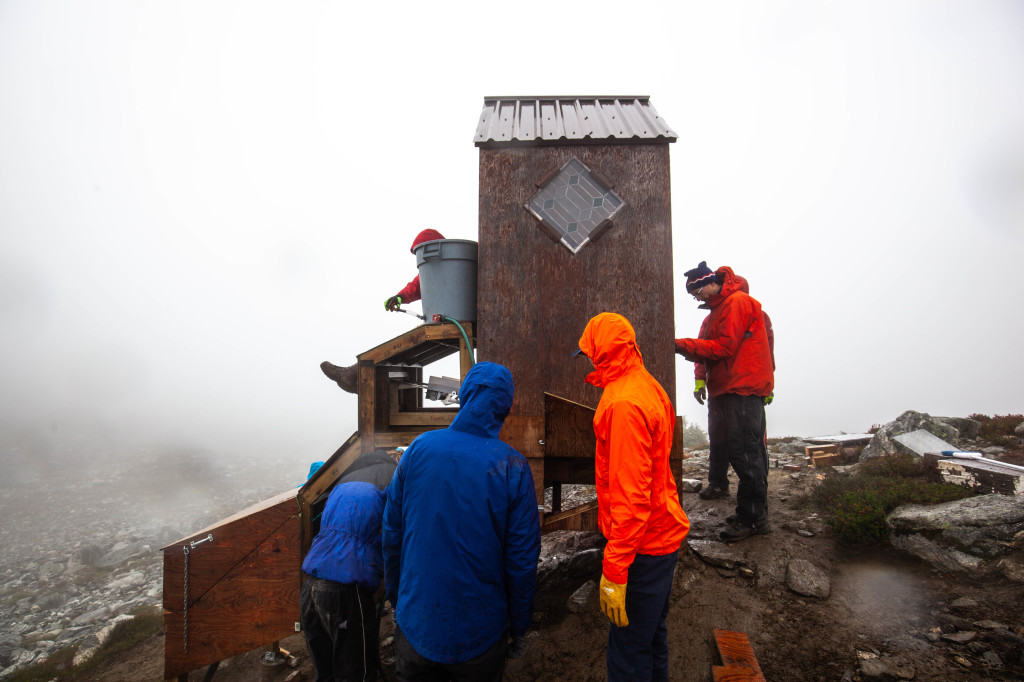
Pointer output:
x,y
769,398
393,303
613,601
699,392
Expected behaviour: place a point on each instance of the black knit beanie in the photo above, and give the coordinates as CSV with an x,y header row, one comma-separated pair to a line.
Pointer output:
x,y
700,276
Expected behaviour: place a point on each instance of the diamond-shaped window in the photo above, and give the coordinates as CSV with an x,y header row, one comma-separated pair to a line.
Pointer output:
x,y
574,203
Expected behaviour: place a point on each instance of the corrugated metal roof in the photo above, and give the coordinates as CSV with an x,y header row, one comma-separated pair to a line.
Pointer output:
x,y
544,120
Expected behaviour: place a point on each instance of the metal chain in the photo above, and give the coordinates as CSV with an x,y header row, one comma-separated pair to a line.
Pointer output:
x,y
184,629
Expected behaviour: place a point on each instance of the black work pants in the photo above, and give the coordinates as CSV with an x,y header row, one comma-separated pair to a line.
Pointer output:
x,y
736,430
411,667
340,624
639,651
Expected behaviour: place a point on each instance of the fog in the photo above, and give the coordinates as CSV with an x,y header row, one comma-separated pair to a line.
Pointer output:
x,y
200,202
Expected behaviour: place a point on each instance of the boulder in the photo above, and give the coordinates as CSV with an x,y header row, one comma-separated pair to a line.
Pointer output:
x,y
1019,431
717,554
964,535
882,443
805,578
966,427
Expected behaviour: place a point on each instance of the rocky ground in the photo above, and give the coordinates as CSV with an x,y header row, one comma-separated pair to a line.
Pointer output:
x,y
812,610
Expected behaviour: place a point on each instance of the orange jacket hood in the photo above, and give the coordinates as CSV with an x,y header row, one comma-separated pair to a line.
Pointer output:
x,y
610,342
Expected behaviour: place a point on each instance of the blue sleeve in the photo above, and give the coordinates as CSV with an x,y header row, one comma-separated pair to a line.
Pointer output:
x,y
522,545
393,529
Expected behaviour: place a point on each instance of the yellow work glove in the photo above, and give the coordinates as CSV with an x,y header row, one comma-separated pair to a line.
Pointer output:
x,y
769,398
699,392
393,303
613,602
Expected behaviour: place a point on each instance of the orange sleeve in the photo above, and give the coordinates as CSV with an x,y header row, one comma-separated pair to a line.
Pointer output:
x,y
630,473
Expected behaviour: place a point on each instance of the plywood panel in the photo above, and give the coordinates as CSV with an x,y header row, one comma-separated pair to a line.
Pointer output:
x,y
254,604
536,296
568,428
233,539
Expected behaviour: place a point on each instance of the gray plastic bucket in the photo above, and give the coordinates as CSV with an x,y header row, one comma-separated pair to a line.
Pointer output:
x,y
447,278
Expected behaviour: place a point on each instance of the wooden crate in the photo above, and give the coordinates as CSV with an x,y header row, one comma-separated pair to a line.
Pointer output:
x,y
824,455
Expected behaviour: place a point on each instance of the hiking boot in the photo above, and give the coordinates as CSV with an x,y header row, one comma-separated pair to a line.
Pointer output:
x,y
345,377
712,492
760,527
736,531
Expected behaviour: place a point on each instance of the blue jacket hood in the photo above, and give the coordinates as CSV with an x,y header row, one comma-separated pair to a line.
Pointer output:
x,y
485,399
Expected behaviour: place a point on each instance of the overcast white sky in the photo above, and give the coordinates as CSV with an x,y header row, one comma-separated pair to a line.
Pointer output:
x,y
200,201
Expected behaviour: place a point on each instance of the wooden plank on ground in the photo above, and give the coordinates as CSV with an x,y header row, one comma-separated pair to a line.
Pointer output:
x,y
738,660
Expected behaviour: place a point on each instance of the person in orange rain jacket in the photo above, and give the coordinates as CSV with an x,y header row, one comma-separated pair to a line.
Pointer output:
x,y
345,377
737,356
638,504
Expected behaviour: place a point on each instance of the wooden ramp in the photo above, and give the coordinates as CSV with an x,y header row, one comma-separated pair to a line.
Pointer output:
x,y
738,661
232,587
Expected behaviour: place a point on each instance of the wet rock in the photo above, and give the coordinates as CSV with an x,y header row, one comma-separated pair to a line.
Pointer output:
x,y
992,658
91,616
882,443
959,535
122,552
717,554
689,485
951,623
585,563
966,427
960,637
964,603
87,648
127,581
584,598
886,669
805,578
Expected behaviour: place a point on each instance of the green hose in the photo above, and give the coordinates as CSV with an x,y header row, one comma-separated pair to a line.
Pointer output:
x,y
469,346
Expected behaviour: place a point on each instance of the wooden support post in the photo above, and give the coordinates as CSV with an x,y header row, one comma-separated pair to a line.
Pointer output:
x,y
556,498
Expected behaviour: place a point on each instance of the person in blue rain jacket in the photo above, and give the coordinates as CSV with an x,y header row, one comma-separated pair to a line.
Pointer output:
x,y
461,541
343,569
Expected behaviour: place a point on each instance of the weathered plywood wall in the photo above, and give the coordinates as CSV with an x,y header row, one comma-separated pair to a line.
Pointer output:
x,y
535,296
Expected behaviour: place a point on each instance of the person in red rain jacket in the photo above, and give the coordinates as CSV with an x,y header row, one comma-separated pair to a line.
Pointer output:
x,y
638,507
411,291
345,377
737,357
718,462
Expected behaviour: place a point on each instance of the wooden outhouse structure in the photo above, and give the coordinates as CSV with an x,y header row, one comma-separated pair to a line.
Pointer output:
x,y
574,220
